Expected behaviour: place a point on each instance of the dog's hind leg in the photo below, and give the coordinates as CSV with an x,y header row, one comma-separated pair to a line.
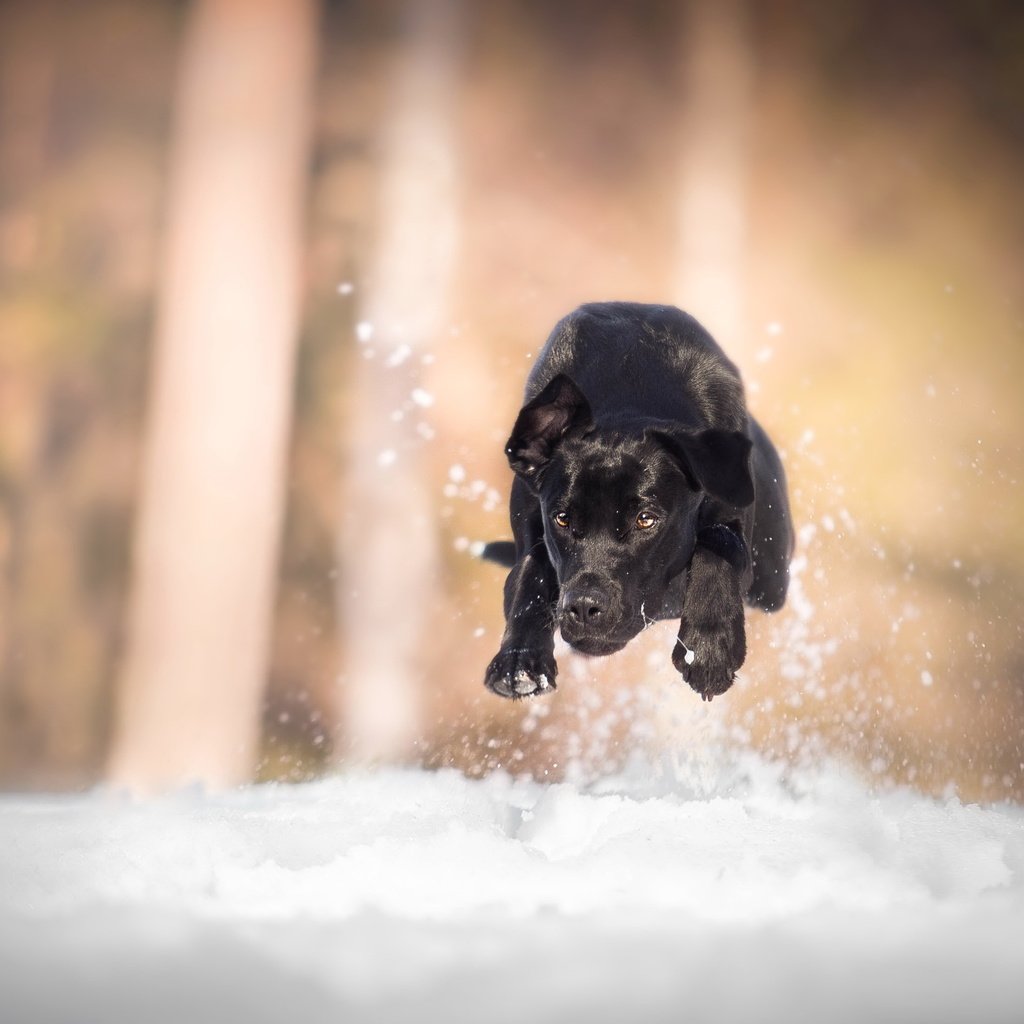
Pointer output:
x,y
501,552
772,533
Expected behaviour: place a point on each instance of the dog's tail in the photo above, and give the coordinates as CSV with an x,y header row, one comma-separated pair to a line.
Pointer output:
x,y
501,551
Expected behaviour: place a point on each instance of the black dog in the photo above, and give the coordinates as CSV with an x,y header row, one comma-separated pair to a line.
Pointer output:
x,y
643,491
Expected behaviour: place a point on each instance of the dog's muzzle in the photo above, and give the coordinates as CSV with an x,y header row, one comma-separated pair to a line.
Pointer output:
x,y
590,616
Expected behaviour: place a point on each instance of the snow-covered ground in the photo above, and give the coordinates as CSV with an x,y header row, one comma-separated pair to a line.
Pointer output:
x,y
722,892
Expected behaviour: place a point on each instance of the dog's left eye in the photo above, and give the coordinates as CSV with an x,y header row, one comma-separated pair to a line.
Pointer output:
x,y
645,520
562,520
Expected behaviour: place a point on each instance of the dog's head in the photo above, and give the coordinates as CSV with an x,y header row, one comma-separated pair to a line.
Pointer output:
x,y
619,507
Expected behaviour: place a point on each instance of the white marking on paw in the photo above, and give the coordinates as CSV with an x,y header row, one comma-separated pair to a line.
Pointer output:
x,y
523,683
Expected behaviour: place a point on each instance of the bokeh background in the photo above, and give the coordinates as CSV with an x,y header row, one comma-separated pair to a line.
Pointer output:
x,y
833,189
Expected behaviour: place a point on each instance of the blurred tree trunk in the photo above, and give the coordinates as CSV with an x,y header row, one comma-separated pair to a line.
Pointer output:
x,y
387,537
212,485
34,726
717,65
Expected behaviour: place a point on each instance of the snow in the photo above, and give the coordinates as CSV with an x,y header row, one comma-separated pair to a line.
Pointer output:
x,y
722,889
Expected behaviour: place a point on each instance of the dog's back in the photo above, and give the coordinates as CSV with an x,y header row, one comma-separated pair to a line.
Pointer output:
x,y
656,361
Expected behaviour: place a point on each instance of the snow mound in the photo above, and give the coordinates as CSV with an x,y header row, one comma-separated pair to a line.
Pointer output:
x,y
712,892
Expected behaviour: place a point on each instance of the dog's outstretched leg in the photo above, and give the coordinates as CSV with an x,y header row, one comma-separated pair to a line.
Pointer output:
x,y
712,641
525,664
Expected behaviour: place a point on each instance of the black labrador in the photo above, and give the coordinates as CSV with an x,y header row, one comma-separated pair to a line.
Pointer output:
x,y
643,490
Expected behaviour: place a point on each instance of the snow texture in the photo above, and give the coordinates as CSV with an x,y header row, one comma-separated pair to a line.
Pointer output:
x,y
723,892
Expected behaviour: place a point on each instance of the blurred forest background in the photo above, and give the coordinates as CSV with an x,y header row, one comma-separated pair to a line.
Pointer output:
x,y
272,273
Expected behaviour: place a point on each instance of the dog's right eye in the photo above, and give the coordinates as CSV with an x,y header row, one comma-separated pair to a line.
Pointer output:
x,y
562,520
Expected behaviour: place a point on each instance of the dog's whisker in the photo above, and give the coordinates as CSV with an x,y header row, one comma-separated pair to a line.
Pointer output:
x,y
643,616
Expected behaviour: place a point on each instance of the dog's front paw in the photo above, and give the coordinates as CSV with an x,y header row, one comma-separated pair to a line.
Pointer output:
x,y
708,659
521,672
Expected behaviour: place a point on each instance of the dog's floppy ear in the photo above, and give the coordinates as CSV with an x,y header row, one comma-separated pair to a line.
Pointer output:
x,y
716,461
542,423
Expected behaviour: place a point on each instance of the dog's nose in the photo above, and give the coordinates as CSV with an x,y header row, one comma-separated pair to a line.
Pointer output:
x,y
584,607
